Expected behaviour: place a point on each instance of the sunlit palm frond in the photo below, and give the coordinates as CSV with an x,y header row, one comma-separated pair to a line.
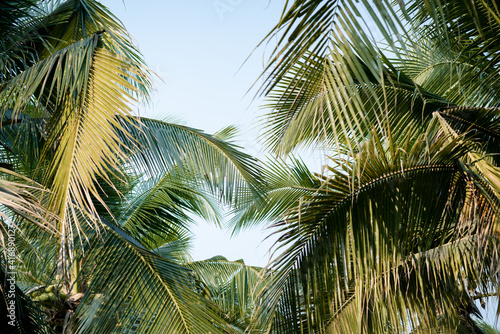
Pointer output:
x,y
347,269
332,101
160,147
158,209
81,144
310,26
72,20
18,22
480,124
82,79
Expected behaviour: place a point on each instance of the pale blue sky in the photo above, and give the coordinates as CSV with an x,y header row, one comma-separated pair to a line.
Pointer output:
x,y
197,48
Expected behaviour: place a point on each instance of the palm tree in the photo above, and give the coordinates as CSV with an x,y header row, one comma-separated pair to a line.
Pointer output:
x,y
100,199
232,286
400,234
71,67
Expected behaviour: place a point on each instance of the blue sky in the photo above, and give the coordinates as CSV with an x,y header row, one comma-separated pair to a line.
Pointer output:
x,y
198,49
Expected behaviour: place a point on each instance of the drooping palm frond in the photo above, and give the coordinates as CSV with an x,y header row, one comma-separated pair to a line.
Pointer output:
x,y
27,199
80,85
18,23
66,123
482,124
285,186
160,147
470,27
326,66
83,75
175,247
327,100
359,253
141,292
340,35
158,209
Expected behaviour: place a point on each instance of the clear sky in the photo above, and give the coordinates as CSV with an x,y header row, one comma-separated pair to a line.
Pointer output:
x,y
198,49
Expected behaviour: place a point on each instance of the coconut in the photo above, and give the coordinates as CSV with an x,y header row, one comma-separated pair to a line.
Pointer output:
x,y
51,296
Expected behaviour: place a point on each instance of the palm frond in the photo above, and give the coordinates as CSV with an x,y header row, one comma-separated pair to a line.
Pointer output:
x,y
332,101
82,79
451,74
232,286
159,147
27,199
142,291
355,251
285,185
487,329
158,209
18,314
469,27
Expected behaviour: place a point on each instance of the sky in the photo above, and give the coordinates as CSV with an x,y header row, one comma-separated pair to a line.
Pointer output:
x,y
204,53
200,51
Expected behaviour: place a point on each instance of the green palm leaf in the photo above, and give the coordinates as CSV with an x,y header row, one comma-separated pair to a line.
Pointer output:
x,y
159,147
285,186
141,291
232,286
83,75
354,259
23,316
158,209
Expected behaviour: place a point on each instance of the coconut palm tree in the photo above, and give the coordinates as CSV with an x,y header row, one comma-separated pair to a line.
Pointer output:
x,y
233,286
100,199
400,234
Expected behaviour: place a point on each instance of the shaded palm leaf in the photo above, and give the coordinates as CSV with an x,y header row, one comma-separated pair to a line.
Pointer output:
x,y
232,286
142,291
350,263
18,313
